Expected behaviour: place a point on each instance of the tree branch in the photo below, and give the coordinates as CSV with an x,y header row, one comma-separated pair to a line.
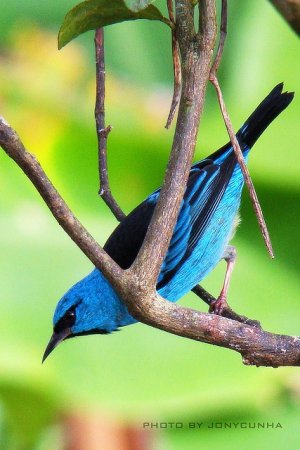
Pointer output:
x,y
196,56
102,130
256,346
236,146
11,143
290,10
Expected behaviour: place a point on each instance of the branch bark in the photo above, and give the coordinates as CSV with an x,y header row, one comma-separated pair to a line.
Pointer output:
x,y
136,286
290,10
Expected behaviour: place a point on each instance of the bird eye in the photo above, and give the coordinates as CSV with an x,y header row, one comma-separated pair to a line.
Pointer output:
x,y
67,321
70,315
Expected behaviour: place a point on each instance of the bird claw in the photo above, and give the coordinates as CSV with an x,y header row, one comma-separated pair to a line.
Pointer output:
x,y
217,306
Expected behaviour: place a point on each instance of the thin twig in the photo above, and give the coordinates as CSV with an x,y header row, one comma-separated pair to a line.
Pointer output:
x,y
176,67
236,147
227,311
102,130
244,168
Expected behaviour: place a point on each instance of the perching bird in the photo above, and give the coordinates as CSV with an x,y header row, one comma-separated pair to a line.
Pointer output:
x,y
205,225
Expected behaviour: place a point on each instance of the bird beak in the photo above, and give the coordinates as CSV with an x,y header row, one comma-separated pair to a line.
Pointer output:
x,y
55,339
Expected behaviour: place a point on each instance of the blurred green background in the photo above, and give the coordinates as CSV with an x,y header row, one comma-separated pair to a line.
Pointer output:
x,y
140,374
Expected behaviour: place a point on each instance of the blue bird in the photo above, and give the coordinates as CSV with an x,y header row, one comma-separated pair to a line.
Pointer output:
x,y
205,225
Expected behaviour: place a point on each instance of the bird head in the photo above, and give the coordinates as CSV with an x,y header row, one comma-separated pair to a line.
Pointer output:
x,y
91,306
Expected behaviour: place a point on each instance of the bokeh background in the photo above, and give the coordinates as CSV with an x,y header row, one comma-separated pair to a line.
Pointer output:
x,y
139,374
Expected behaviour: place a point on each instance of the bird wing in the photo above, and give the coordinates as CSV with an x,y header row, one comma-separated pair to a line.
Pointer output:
x,y
206,185
207,182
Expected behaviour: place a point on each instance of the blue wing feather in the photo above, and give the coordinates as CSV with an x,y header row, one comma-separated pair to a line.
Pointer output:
x,y
196,211
196,196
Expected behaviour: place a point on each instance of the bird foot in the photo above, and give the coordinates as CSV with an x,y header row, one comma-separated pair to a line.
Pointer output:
x,y
217,307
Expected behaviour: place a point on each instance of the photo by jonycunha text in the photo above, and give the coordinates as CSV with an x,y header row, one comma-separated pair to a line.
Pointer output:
x,y
213,425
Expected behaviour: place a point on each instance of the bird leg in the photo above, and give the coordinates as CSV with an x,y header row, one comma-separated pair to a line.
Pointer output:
x,y
217,306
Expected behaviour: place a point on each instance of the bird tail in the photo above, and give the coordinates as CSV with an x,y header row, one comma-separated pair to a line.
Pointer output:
x,y
264,114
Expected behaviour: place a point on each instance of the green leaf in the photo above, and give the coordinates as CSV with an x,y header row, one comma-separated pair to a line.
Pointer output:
x,y
93,14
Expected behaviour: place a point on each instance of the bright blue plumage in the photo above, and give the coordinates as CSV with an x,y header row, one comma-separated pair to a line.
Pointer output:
x,y
203,230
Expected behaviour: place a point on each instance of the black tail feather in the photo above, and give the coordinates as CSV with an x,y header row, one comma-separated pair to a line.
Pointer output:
x,y
264,114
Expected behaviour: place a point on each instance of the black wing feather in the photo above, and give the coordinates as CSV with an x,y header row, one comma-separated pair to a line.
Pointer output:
x,y
126,240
